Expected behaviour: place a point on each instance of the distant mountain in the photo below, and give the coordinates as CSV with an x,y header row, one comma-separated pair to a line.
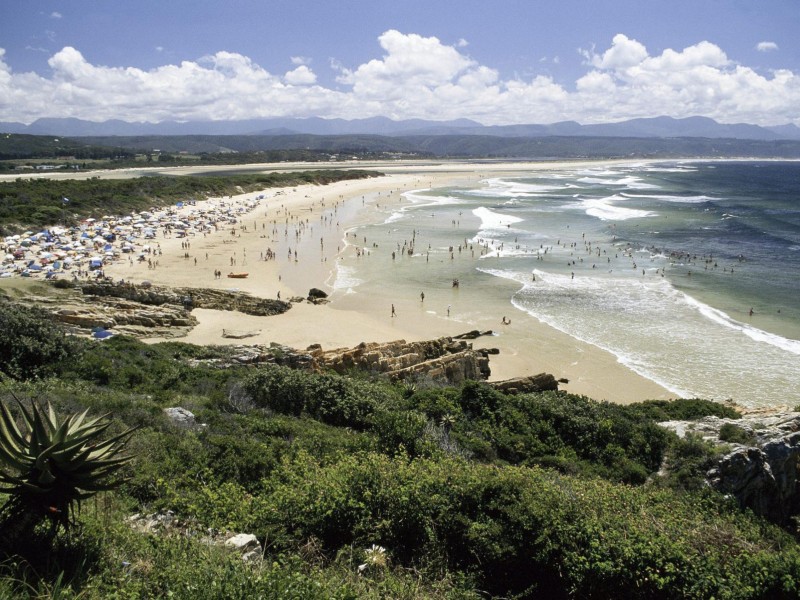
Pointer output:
x,y
787,132
657,127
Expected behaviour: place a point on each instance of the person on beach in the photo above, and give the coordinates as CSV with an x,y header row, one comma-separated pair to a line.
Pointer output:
x,y
422,296
394,314
506,321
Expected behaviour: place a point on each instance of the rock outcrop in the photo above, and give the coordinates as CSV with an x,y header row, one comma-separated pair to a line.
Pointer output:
x,y
762,474
146,310
188,298
445,359
525,385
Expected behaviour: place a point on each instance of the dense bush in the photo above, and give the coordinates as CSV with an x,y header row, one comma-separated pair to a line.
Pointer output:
x,y
682,409
333,399
35,202
552,428
450,481
529,531
31,345
735,434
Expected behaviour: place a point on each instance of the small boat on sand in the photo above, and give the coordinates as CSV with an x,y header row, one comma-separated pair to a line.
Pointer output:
x,y
238,275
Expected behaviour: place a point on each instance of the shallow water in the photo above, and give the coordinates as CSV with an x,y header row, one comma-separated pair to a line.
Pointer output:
x,y
658,264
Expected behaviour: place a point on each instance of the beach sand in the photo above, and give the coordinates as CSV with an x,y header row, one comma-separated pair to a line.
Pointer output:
x,y
311,221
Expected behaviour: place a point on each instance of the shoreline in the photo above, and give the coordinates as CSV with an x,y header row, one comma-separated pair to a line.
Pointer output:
x,y
312,223
309,220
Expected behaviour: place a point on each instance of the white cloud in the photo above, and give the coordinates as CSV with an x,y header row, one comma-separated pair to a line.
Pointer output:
x,y
623,53
302,75
462,43
300,60
56,15
416,77
766,46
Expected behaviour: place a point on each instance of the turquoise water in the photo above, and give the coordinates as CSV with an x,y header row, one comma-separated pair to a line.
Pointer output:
x,y
659,264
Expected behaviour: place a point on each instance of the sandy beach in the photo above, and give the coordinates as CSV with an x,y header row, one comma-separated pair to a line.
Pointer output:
x,y
305,229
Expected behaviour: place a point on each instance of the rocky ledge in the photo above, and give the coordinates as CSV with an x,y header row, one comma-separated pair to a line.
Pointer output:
x,y
445,360
189,298
760,470
145,311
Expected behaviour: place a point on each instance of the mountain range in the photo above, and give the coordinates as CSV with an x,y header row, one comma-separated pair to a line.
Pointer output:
x,y
657,127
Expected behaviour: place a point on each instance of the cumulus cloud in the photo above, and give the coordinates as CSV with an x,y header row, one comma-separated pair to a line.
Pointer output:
x,y
302,75
415,77
766,46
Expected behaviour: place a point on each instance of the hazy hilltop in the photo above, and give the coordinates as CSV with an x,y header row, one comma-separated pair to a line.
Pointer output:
x,y
663,127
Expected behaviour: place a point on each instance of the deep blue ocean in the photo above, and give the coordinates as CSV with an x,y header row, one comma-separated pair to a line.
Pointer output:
x,y
658,263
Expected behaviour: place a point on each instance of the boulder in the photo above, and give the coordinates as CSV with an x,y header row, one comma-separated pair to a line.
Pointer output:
x,y
243,542
471,335
316,294
525,385
180,417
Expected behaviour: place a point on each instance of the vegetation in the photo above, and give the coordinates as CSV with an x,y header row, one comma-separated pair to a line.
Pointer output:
x,y
26,203
358,488
52,465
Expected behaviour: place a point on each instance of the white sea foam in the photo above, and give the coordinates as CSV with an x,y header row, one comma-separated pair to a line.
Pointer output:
x,y
560,284
504,188
419,199
629,181
663,334
606,210
494,220
722,318
346,279
667,198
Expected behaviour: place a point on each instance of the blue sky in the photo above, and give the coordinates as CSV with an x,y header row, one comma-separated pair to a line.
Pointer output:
x,y
497,62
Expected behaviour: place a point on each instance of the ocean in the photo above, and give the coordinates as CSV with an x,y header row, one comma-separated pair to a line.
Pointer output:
x,y
688,272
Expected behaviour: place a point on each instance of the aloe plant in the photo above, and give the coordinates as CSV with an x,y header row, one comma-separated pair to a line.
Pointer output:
x,y
50,465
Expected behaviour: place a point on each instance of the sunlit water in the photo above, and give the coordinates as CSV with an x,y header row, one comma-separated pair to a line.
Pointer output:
x,y
658,264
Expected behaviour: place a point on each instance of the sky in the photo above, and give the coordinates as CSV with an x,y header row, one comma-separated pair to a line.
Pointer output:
x,y
496,62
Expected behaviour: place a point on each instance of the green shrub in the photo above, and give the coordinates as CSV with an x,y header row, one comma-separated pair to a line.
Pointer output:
x,y
437,402
682,409
531,532
333,399
688,461
31,345
735,435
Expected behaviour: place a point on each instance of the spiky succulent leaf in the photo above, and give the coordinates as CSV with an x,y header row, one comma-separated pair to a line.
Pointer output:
x,y
56,463
9,432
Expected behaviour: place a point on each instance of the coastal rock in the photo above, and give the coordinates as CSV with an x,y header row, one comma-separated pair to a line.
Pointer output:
x,y
445,359
316,293
761,475
189,298
526,385
471,335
